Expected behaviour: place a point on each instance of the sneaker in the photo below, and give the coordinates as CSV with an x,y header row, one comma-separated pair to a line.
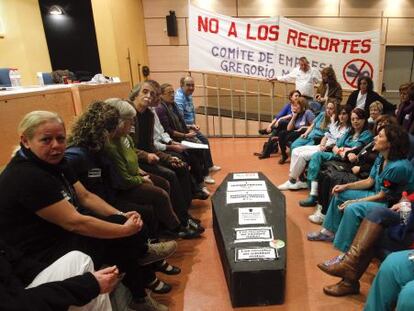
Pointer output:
x,y
147,304
317,217
319,236
214,168
209,180
157,252
263,132
205,190
285,186
298,185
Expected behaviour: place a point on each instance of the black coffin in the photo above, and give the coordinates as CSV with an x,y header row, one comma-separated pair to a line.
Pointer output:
x,y
251,283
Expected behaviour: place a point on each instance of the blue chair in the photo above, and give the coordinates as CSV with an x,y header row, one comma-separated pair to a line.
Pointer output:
x,y
47,78
4,77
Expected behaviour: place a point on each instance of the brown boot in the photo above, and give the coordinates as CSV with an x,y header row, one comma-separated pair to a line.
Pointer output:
x,y
356,260
342,288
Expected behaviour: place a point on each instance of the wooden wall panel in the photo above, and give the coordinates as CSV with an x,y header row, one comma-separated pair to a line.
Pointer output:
x,y
288,8
156,30
168,58
13,108
341,24
161,8
400,32
391,8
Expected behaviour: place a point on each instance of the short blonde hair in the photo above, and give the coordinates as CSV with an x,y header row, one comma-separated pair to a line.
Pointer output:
x,y
34,119
378,105
125,107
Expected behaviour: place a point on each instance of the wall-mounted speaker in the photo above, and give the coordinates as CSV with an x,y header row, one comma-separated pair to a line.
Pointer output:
x,y
172,24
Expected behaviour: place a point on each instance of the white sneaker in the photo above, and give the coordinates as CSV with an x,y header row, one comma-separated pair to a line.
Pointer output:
x,y
285,186
205,190
298,185
209,180
214,168
317,217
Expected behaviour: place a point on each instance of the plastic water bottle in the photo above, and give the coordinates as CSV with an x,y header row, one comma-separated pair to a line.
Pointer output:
x,y
405,208
14,76
40,80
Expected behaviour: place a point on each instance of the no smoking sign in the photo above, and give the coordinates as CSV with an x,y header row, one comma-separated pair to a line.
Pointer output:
x,y
357,68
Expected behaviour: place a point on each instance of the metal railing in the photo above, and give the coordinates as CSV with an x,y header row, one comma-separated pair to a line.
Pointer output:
x,y
241,105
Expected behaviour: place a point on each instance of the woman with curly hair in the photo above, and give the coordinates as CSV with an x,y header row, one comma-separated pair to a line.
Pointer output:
x,y
90,133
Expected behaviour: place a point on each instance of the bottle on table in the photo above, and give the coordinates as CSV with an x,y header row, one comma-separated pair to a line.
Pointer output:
x,y
405,208
15,77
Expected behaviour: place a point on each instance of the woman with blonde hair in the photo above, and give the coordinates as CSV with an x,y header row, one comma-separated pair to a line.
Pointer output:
x,y
40,200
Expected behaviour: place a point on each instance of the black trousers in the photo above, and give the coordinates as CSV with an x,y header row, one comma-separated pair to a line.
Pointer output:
x,y
287,137
272,145
329,179
180,187
123,252
145,210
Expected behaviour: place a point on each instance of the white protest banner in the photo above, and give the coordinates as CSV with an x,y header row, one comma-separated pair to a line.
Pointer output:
x,y
351,54
219,43
267,48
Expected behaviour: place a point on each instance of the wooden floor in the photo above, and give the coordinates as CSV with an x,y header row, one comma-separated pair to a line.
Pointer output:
x,y
202,286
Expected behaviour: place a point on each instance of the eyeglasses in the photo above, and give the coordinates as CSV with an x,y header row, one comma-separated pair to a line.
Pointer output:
x,y
189,84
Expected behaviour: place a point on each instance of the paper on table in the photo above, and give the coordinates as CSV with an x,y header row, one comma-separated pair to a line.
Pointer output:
x,y
191,145
251,216
257,253
247,197
252,185
246,176
253,234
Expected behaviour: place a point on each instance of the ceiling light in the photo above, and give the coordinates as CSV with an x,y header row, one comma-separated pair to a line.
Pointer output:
x,y
55,10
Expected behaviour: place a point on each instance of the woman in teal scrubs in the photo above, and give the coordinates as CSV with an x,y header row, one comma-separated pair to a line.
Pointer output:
x,y
358,136
316,131
391,174
393,286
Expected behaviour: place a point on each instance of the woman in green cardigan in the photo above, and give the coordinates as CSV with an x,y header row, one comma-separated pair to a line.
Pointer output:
x,y
133,183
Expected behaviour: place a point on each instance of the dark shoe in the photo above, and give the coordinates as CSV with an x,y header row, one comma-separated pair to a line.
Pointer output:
x,y
200,195
157,252
343,288
147,304
187,233
356,260
283,160
310,201
159,287
166,268
263,156
263,132
193,224
257,154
